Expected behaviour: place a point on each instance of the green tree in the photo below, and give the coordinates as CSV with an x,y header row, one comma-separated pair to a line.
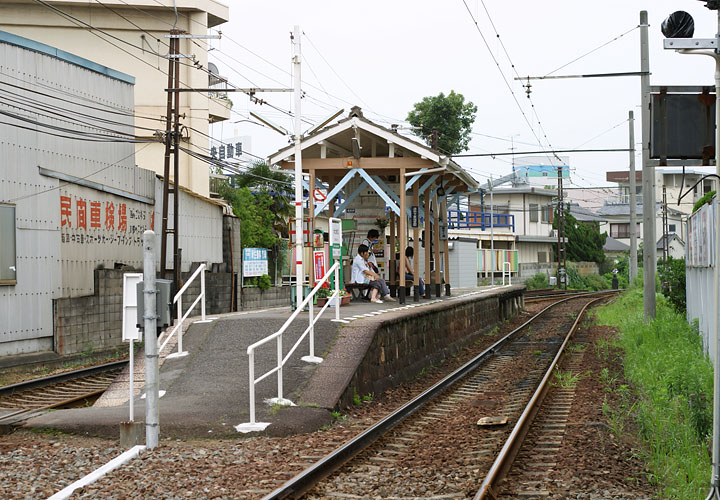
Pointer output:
x,y
584,241
450,115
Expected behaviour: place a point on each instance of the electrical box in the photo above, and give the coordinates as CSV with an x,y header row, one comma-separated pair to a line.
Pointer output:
x,y
163,302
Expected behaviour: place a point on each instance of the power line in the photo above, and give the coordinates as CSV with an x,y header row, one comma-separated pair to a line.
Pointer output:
x,y
593,50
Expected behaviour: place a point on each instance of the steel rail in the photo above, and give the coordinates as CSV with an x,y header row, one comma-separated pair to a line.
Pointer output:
x,y
60,377
303,482
17,416
505,458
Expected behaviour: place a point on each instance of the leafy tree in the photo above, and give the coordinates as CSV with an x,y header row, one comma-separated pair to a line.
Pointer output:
x,y
450,115
584,241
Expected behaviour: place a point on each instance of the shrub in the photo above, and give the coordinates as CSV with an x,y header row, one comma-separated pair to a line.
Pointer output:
x,y
672,276
264,282
538,281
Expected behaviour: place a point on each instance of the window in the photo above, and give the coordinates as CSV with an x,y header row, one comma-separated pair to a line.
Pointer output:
x,y
622,230
542,256
546,213
8,276
671,228
533,212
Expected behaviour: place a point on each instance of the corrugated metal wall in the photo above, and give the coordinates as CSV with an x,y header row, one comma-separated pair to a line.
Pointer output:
x,y
699,279
26,308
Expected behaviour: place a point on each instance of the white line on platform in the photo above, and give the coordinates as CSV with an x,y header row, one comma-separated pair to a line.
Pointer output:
x,y
98,473
339,321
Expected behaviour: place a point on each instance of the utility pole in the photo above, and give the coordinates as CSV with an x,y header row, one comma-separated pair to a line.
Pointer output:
x,y
665,227
648,177
152,374
171,148
562,261
299,226
633,271
492,234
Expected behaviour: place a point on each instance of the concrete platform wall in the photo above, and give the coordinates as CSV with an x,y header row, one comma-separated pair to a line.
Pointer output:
x,y
405,345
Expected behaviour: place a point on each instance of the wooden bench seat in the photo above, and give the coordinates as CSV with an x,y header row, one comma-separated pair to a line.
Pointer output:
x,y
356,290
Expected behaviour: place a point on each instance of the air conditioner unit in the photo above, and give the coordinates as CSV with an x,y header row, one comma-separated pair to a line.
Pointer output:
x,y
553,233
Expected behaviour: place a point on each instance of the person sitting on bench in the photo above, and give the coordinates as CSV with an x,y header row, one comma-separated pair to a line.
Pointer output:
x,y
409,269
361,273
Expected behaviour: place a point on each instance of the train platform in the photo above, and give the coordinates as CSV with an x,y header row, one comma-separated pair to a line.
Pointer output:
x,y
373,347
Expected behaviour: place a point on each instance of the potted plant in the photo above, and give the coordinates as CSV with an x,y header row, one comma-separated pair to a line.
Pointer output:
x,y
325,292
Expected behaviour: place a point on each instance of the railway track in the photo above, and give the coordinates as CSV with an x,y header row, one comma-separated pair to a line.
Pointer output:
x,y
462,432
19,402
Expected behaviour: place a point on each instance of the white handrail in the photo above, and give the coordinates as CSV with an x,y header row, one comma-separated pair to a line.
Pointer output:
x,y
253,425
178,299
507,265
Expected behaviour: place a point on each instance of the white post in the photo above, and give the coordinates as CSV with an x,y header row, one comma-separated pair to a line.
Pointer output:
x,y
202,292
633,202
152,374
180,326
492,236
251,385
132,388
715,478
299,235
337,290
311,358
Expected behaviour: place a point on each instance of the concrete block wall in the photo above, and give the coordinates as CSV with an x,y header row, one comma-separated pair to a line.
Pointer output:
x,y
254,298
92,322
403,346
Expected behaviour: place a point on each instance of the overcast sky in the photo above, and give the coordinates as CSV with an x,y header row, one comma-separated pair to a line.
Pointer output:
x,y
387,55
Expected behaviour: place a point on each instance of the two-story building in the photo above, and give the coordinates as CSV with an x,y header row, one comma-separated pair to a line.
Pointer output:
x,y
131,36
521,233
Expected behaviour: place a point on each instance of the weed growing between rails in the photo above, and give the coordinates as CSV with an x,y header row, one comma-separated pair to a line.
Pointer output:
x,y
672,380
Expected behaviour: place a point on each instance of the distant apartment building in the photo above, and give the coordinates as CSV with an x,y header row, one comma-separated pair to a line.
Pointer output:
x,y
130,36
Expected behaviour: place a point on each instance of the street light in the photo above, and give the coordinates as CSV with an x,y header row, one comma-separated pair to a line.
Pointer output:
x,y
678,28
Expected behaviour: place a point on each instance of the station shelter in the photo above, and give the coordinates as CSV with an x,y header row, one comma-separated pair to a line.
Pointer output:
x,y
371,176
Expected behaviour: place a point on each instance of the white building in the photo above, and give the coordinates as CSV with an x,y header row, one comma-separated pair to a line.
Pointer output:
x,y
130,36
73,204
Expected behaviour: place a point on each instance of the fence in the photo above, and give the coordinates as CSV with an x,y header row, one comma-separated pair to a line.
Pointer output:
x,y
485,263
460,219
278,336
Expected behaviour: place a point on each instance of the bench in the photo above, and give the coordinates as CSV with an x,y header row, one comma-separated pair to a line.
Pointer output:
x,y
356,290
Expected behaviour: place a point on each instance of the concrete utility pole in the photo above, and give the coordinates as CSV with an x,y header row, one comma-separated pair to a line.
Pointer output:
x,y
299,226
492,234
648,177
633,271
562,260
152,373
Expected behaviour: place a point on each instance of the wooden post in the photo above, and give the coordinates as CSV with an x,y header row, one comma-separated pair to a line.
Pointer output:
x,y
436,244
427,239
416,245
391,256
446,246
403,234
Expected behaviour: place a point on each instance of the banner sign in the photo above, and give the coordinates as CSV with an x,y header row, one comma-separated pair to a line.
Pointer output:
x,y
255,262
414,216
319,264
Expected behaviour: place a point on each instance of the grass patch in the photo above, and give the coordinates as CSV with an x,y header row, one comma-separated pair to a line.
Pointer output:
x,y
665,364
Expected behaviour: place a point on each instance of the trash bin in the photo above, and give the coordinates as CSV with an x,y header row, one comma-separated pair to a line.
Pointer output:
x,y
293,300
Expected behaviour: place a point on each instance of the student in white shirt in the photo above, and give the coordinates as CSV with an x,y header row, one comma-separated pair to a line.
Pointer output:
x,y
361,273
369,242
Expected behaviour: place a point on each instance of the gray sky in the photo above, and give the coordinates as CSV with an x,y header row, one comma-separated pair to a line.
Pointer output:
x,y
385,56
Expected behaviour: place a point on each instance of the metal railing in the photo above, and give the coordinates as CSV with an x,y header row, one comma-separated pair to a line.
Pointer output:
x,y
507,266
278,336
178,300
460,219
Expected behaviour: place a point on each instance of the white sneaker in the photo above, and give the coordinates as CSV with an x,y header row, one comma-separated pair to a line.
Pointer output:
x,y
377,301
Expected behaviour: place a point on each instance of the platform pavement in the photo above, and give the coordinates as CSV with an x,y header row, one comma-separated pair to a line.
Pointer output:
x,y
207,391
